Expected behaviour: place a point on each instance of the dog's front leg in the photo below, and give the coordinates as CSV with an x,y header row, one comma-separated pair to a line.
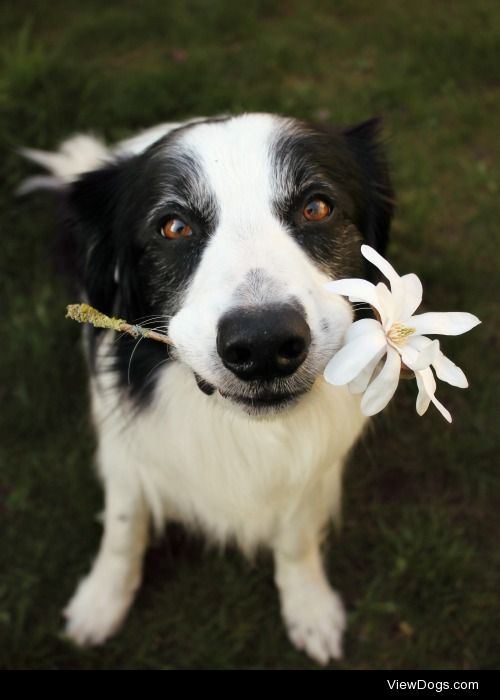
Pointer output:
x,y
103,598
313,613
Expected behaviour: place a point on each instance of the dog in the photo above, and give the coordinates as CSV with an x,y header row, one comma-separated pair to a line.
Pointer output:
x,y
221,232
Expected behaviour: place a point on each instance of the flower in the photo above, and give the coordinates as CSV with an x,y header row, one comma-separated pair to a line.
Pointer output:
x,y
399,336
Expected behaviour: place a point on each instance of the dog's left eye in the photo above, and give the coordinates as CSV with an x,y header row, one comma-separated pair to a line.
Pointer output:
x,y
317,209
175,228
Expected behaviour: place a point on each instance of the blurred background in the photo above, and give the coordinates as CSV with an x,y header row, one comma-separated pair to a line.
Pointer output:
x,y
417,559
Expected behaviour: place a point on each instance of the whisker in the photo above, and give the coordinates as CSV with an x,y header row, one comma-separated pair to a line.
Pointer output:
x,y
362,307
148,317
131,356
158,364
143,320
147,324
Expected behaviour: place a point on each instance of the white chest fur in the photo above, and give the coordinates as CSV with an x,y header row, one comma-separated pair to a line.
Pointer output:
x,y
199,460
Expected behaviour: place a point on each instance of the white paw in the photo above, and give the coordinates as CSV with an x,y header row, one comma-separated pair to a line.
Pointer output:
x,y
315,620
97,609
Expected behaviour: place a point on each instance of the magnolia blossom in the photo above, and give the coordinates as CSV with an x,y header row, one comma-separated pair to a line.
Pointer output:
x,y
399,336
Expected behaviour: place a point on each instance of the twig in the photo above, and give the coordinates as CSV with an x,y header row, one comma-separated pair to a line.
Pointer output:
x,y
84,313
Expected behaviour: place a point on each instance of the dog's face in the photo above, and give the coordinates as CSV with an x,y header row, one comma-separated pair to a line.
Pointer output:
x,y
224,233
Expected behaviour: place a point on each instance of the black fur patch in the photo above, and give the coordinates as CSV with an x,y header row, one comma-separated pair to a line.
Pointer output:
x,y
117,214
344,167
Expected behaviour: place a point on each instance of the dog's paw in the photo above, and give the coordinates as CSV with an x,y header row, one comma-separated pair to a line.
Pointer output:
x,y
315,620
96,610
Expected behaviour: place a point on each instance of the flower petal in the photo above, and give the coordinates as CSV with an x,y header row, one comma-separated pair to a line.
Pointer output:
x,y
362,327
359,383
409,355
446,370
419,342
381,263
412,295
423,398
354,357
428,381
449,372
442,410
430,387
426,356
356,290
397,288
387,305
382,388
443,323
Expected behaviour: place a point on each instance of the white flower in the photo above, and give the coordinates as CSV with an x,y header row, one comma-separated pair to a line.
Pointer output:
x,y
398,336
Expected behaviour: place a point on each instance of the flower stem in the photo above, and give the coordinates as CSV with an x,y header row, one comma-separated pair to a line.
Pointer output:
x,y
84,313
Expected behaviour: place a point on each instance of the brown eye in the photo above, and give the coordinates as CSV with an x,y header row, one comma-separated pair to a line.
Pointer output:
x,y
175,228
317,210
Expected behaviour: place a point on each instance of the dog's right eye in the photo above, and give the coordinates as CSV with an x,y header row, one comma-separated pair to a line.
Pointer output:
x,y
175,228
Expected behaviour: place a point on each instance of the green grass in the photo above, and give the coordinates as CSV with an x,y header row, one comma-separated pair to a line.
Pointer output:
x,y
418,558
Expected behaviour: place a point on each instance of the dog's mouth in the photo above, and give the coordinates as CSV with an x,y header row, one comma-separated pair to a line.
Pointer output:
x,y
260,401
263,402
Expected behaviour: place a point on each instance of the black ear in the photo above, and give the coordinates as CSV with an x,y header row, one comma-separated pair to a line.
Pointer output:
x,y
363,142
93,202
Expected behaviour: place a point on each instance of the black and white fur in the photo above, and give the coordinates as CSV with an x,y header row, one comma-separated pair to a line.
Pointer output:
x,y
180,436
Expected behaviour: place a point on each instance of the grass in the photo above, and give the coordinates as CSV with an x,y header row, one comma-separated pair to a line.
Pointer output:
x,y
418,557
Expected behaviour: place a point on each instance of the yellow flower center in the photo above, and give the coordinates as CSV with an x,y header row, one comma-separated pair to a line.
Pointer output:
x,y
399,333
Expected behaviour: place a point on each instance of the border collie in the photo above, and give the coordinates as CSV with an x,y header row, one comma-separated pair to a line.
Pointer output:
x,y
221,232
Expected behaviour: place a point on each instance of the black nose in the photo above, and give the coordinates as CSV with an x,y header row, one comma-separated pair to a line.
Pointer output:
x,y
263,343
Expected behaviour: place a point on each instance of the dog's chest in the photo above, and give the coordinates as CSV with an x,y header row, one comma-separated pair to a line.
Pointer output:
x,y
204,463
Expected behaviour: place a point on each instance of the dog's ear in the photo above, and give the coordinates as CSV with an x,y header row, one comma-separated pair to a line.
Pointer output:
x,y
93,201
364,144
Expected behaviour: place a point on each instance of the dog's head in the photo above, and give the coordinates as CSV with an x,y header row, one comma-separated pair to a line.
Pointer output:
x,y
223,233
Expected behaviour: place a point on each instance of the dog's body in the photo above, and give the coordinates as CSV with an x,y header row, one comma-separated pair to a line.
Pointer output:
x,y
222,232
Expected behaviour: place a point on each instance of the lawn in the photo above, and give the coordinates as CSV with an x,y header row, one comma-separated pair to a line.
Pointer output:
x,y
417,559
